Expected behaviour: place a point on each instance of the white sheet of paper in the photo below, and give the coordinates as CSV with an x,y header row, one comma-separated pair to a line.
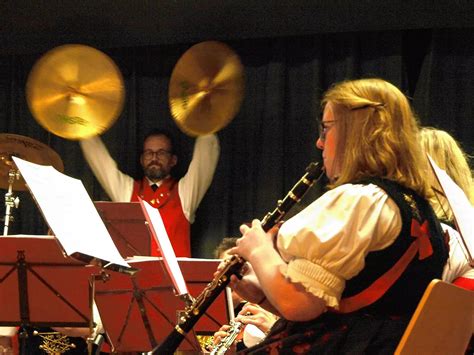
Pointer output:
x,y
461,206
69,212
169,257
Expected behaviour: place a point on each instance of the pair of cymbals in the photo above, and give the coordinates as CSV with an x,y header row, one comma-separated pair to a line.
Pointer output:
x,y
76,91
14,145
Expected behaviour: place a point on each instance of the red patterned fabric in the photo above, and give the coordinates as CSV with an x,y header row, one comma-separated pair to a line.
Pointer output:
x,y
166,199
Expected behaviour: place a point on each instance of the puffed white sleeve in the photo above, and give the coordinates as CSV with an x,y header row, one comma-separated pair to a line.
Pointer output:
x,y
117,185
457,265
327,242
194,184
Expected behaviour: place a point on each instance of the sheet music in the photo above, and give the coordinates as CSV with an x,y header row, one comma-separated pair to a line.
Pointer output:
x,y
69,212
161,236
462,208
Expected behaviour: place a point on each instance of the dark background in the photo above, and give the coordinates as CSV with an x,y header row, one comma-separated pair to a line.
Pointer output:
x,y
291,50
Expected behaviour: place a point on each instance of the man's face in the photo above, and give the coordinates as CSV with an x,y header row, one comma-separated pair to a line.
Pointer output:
x,y
157,160
327,141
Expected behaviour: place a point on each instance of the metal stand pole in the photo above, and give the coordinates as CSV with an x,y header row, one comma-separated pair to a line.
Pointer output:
x,y
94,339
10,200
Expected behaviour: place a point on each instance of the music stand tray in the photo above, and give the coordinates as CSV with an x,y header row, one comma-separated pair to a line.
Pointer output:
x,y
40,286
139,311
126,224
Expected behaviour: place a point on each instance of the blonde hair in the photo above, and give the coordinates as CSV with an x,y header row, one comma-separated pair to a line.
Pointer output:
x,y
377,134
449,156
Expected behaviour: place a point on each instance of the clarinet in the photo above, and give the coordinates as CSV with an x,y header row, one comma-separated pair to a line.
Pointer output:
x,y
234,264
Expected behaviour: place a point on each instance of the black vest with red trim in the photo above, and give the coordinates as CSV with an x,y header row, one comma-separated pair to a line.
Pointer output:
x,y
412,283
166,199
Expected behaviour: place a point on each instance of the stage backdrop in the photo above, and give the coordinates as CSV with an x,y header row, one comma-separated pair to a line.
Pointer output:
x,y
267,146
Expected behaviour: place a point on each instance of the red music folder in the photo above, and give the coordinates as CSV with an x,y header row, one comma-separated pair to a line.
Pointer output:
x,y
139,311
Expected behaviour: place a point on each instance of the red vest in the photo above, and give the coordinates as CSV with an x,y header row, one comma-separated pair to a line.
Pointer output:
x,y
166,199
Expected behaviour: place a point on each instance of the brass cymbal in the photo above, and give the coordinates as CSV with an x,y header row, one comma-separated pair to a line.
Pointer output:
x,y
27,149
75,91
206,88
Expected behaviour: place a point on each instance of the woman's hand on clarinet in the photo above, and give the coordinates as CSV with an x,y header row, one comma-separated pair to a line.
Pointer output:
x,y
247,285
253,238
252,313
222,333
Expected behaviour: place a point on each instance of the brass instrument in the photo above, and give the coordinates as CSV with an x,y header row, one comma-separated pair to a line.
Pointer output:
x,y
54,342
233,265
75,91
206,88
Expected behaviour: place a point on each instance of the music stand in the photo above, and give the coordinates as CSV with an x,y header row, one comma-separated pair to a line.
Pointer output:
x,y
40,285
126,225
139,311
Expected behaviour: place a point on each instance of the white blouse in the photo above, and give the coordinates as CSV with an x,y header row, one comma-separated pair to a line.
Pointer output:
x,y
326,243
458,262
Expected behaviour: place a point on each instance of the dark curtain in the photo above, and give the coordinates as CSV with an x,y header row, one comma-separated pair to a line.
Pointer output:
x,y
267,146
444,96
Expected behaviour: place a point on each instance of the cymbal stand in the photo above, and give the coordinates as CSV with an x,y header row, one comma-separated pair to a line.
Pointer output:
x,y
11,201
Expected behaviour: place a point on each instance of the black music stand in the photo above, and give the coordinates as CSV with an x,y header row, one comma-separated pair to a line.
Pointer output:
x,y
127,227
139,311
40,286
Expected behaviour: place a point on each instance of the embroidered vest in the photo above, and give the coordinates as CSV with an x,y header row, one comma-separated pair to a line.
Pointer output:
x,y
426,265
166,199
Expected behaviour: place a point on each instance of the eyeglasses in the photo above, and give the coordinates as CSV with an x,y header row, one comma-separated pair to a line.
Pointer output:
x,y
161,153
324,128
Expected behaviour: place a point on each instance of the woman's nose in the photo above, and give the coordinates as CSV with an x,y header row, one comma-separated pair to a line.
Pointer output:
x,y
319,144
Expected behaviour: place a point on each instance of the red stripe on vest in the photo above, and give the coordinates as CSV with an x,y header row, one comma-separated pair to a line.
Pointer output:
x,y
377,289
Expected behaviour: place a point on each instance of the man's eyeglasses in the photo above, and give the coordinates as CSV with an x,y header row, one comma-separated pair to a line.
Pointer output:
x,y
161,153
324,127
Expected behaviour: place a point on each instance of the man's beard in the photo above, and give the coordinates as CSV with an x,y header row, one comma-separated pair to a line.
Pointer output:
x,y
155,173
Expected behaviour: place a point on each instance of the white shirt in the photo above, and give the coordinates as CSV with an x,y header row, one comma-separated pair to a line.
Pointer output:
x,y
457,265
